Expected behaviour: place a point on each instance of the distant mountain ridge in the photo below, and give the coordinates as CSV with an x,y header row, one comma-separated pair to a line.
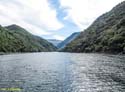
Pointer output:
x,y
14,38
55,42
106,34
68,40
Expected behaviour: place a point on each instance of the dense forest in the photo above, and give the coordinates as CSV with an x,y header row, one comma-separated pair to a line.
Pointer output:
x,y
106,34
16,39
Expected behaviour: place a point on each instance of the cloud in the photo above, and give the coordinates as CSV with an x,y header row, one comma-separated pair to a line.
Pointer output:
x,y
46,14
84,12
34,15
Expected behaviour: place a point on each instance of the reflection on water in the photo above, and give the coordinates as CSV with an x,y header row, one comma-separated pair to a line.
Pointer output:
x,y
62,72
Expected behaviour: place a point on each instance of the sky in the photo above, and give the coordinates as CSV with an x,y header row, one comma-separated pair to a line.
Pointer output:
x,y
53,19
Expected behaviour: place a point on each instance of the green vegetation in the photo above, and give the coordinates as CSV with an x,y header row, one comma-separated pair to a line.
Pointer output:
x,y
106,34
16,39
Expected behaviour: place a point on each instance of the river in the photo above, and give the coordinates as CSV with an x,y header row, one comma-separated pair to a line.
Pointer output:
x,y
62,72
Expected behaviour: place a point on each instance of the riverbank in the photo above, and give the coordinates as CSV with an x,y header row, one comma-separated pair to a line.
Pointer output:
x,y
6,53
2,53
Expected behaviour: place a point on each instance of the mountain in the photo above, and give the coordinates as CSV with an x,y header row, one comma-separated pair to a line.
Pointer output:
x,y
68,40
14,38
54,41
106,34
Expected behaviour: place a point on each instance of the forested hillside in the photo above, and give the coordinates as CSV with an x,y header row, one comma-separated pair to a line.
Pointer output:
x,y
16,39
106,34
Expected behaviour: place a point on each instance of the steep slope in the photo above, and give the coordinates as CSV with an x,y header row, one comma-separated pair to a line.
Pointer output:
x,y
54,41
106,34
16,39
68,40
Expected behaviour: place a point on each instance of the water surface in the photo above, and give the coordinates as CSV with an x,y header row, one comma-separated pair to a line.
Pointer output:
x,y
63,72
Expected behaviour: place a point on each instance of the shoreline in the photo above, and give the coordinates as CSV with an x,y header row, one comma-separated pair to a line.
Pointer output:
x,y
8,53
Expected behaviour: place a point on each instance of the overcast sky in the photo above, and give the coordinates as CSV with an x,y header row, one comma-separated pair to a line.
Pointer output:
x,y
53,19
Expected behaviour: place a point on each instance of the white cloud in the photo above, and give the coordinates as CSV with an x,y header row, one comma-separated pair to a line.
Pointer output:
x,y
34,15
58,37
46,14
84,12
13,18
